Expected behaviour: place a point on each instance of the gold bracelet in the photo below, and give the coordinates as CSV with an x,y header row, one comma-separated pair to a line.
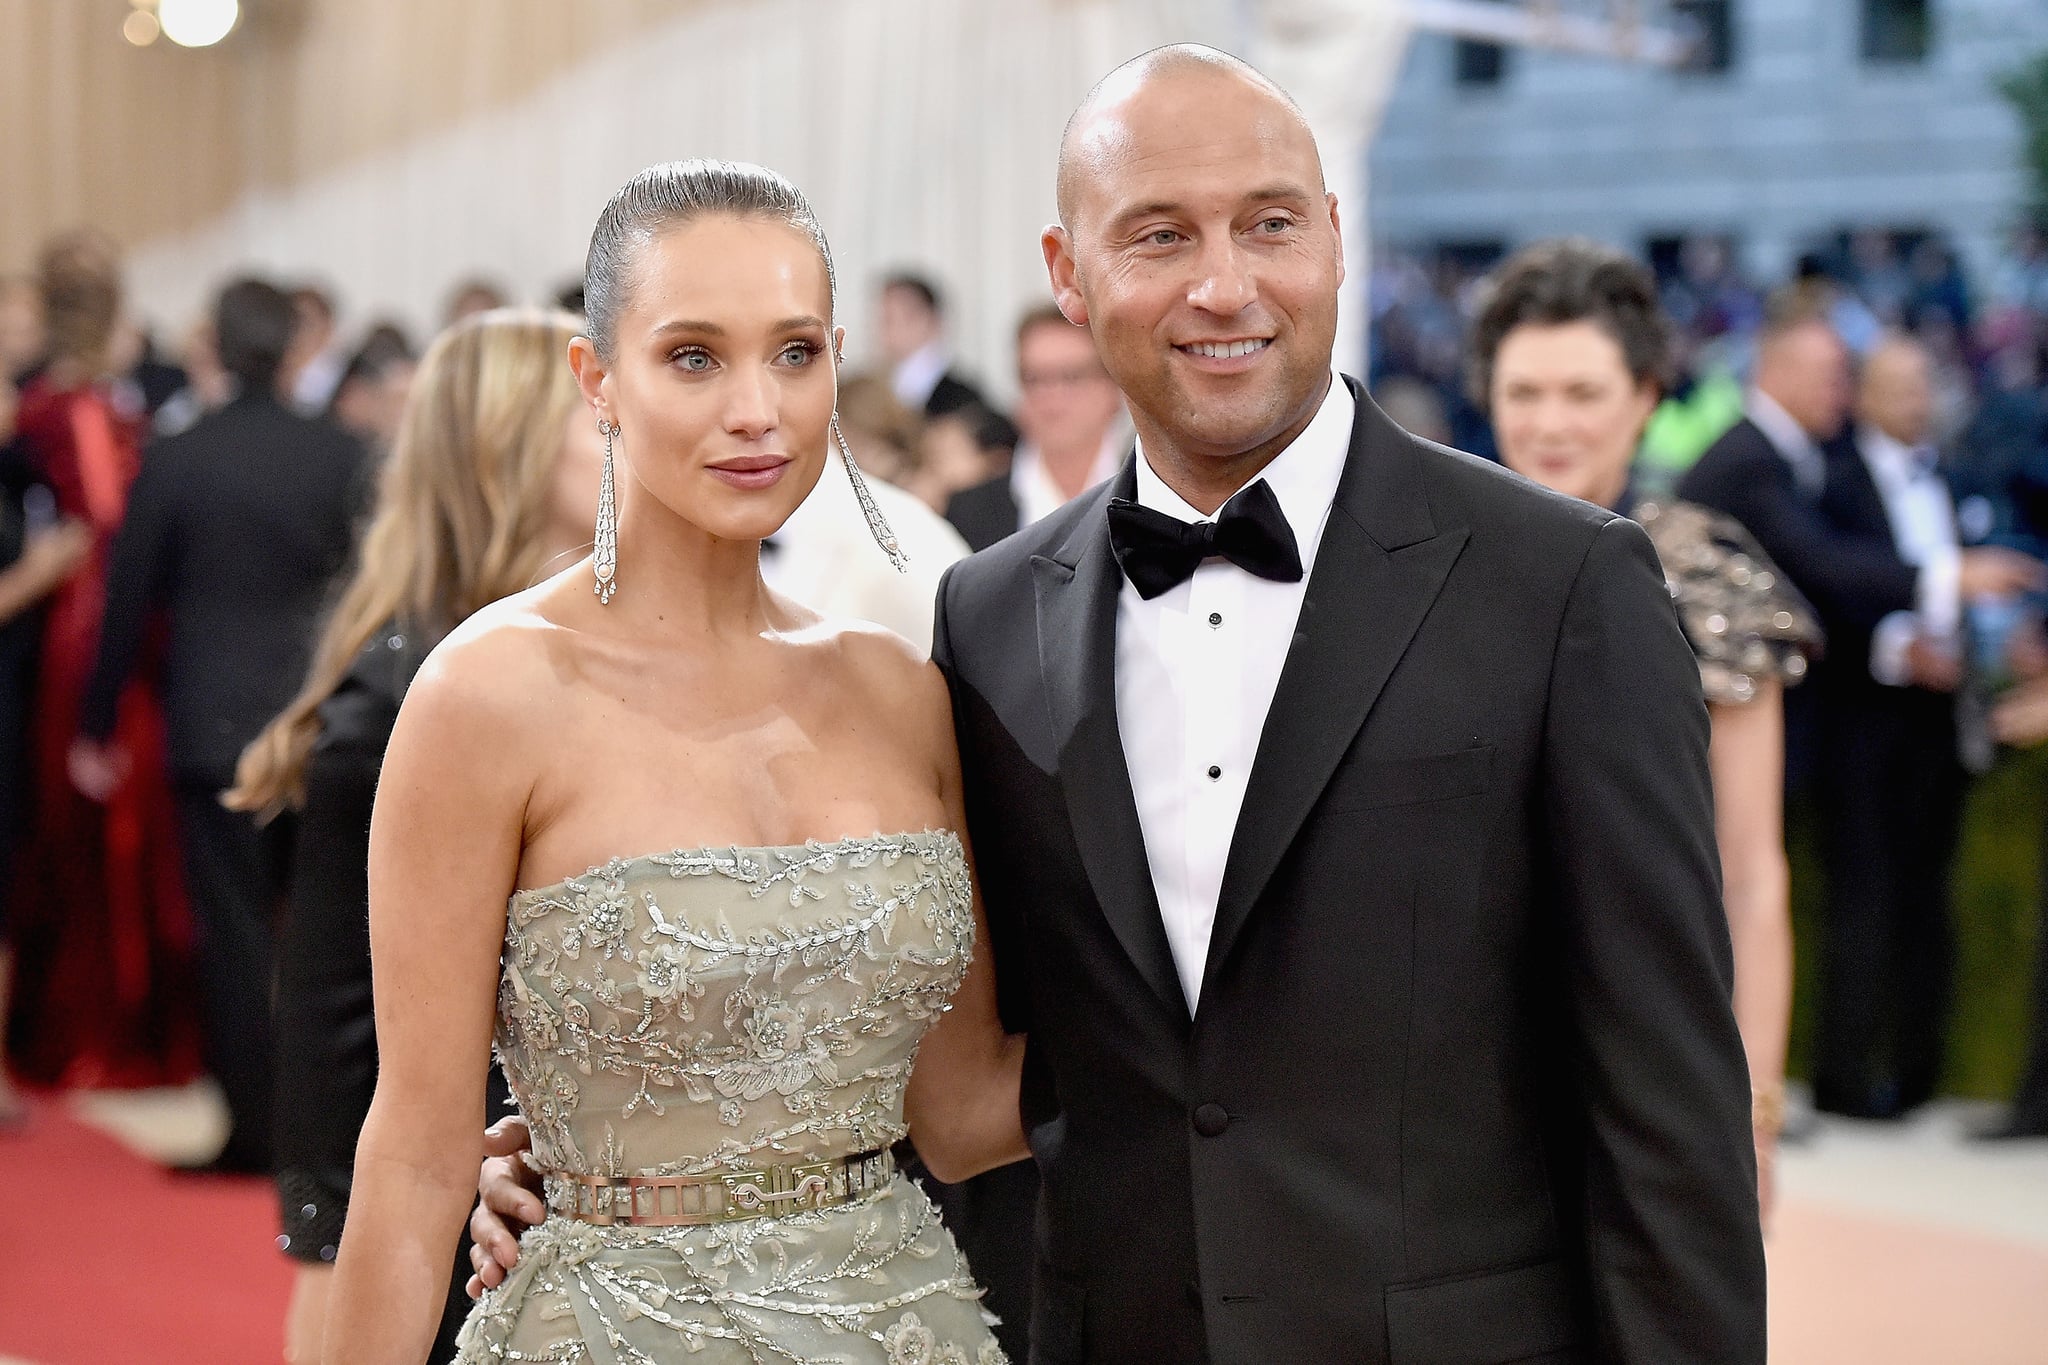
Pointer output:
x,y
1767,1109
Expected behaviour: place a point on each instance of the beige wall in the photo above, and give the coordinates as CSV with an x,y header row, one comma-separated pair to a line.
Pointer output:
x,y
146,142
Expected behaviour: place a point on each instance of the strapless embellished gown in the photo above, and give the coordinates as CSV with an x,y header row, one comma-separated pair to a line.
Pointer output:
x,y
707,1013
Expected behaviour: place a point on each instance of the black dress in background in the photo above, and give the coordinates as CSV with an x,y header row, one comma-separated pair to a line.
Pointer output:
x,y
326,1037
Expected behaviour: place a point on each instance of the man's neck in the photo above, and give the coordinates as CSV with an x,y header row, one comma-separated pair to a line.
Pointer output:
x,y
1206,481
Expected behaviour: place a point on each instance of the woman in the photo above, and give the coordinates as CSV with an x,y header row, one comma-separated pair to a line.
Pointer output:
x,y
99,922
713,1044
35,564
1570,356
492,481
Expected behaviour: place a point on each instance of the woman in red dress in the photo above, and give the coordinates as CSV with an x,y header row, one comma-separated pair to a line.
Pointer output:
x,y
104,992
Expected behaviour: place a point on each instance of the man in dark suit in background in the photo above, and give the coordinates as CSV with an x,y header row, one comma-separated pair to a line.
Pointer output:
x,y
912,331
235,527
1070,418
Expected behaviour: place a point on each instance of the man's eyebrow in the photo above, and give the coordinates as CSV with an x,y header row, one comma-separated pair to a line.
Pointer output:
x,y
1281,191
1151,208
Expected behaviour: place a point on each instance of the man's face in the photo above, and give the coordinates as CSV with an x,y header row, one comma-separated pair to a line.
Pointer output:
x,y
1897,393
903,324
1203,253
1807,373
1068,401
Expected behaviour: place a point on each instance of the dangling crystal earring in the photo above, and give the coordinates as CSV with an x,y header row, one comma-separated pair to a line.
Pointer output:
x,y
604,555
878,525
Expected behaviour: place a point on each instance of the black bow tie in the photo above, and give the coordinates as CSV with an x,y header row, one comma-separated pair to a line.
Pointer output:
x,y
1159,552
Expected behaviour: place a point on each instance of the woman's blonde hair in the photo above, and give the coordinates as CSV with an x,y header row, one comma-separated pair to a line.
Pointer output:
x,y
463,505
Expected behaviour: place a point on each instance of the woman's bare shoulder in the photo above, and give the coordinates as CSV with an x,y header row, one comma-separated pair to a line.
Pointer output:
x,y
887,674
496,671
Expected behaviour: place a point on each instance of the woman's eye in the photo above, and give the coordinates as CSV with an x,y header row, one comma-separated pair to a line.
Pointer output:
x,y
693,360
799,353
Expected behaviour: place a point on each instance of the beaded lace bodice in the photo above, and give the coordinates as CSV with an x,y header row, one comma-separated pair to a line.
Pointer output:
x,y
718,1009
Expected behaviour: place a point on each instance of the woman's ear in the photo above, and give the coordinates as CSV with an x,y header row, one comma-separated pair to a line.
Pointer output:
x,y
839,345
592,377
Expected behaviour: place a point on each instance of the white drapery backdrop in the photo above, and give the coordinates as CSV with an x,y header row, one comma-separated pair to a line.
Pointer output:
x,y
924,131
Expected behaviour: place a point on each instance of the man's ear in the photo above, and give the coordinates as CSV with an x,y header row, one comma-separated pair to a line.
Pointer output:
x,y
1060,269
1336,231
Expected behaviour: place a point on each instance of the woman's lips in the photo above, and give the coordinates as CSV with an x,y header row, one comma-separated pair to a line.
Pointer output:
x,y
751,472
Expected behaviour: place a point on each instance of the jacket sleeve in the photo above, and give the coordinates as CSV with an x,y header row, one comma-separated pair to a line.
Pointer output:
x,y
140,570
1858,578
1669,1181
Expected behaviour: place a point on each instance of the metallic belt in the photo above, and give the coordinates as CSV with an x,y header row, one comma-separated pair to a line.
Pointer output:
x,y
668,1201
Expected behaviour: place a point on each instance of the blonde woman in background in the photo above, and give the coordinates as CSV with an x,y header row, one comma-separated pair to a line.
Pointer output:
x,y
493,479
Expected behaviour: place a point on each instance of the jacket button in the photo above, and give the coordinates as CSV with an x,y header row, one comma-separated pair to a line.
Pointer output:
x,y
1211,1120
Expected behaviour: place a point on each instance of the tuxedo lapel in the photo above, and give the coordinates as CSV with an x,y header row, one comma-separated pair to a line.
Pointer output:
x,y
1077,590
1382,561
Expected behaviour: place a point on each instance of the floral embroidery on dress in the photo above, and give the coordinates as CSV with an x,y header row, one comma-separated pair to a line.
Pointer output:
x,y
723,1010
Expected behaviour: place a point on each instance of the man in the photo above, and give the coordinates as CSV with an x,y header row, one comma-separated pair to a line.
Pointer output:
x,y
1349,858
1071,419
1889,787
235,527
912,331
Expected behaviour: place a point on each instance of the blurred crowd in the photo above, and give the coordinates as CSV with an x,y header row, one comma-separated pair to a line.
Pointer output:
x,y
1987,337
179,519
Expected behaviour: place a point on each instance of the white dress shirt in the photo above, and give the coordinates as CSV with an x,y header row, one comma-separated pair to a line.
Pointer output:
x,y
1038,496
913,380
1793,444
1196,668
1922,514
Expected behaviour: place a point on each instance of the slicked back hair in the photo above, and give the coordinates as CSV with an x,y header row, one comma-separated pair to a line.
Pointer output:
x,y
669,196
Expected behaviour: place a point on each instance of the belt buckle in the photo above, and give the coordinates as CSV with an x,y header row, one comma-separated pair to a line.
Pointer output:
x,y
754,1193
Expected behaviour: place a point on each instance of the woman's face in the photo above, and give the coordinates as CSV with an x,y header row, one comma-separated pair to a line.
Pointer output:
x,y
721,377
1566,410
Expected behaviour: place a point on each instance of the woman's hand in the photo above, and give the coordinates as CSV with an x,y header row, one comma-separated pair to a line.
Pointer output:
x,y
508,1201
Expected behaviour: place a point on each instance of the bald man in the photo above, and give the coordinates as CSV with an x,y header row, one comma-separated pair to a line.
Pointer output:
x,y
1888,788
1340,804
1342,812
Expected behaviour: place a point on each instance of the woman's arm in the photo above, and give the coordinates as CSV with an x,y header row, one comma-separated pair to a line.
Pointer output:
x,y
962,1104
445,842
46,561
1747,756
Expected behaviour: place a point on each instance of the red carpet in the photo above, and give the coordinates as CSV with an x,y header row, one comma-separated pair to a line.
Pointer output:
x,y
106,1260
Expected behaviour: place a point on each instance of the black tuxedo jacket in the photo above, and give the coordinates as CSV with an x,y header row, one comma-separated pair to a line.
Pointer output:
x,y
985,513
1464,1085
1850,572
236,526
